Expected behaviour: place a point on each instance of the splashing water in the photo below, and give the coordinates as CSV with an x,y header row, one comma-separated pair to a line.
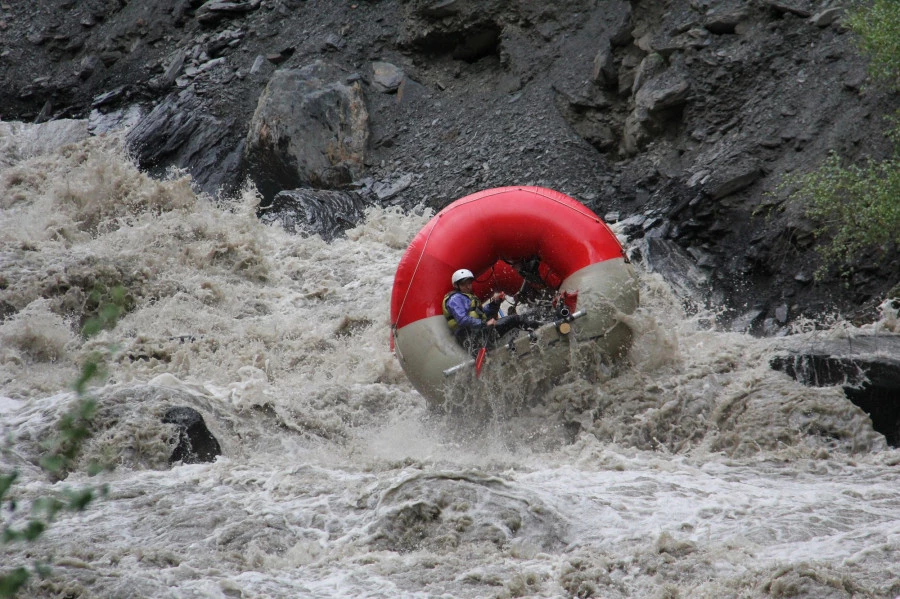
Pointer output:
x,y
693,470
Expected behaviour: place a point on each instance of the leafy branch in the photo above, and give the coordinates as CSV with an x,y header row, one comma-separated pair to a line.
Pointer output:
x,y
73,429
857,207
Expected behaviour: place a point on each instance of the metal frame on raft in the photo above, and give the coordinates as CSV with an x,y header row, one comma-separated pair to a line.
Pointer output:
x,y
562,327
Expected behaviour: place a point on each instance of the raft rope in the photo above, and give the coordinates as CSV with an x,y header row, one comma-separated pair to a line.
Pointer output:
x,y
415,270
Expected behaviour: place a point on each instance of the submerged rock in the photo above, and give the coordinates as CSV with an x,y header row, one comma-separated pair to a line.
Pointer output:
x,y
316,211
195,443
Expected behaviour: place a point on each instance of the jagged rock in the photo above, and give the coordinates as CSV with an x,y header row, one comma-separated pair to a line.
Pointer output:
x,y
178,131
604,72
667,91
195,443
826,17
725,22
310,129
619,18
730,180
215,10
656,103
316,211
466,31
652,65
788,7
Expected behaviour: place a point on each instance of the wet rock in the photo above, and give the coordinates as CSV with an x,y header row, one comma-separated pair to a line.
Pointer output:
x,y
310,129
866,366
179,131
316,211
444,510
677,267
195,443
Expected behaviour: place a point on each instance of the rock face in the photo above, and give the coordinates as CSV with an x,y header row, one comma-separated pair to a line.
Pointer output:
x,y
680,117
309,129
179,132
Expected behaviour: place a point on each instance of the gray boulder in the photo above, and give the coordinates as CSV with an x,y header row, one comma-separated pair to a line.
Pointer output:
x,y
179,131
310,129
866,366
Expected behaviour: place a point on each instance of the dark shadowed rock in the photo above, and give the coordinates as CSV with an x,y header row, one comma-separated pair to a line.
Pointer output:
x,y
316,211
725,21
310,129
604,72
867,366
195,443
179,132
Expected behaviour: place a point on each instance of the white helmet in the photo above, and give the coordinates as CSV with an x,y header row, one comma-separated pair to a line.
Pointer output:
x,y
461,274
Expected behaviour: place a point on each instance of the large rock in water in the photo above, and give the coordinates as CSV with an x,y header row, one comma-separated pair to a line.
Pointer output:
x,y
310,129
195,443
179,131
867,366
316,212
20,141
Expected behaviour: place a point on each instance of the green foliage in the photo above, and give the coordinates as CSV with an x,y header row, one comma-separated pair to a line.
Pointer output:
x,y
73,429
857,207
878,27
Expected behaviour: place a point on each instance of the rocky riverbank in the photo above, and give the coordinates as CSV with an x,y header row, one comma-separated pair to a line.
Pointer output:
x,y
675,119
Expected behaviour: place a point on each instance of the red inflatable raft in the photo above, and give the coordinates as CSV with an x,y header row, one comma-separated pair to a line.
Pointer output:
x,y
484,231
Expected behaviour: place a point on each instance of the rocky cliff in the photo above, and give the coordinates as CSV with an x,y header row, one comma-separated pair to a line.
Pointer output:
x,y
676,119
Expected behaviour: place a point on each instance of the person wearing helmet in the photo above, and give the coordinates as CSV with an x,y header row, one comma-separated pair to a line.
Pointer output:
x,y
475,325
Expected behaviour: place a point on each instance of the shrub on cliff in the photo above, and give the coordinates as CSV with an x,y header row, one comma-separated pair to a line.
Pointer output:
x,y
857,207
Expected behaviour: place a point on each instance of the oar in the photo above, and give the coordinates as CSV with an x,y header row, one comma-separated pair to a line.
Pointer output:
x,y
479,360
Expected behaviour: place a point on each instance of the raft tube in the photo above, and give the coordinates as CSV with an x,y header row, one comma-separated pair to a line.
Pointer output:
x,y
482,232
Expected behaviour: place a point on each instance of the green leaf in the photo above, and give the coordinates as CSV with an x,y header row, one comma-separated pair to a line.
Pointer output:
x,y
34,529
53,463
6,481
12,581
79,500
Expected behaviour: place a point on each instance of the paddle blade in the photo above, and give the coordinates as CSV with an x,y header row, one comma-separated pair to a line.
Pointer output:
x,y
479,361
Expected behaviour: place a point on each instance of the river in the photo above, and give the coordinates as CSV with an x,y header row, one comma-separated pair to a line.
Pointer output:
x,y
695,470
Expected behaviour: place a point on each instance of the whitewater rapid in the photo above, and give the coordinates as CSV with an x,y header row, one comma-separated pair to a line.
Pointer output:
x,y
695,471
